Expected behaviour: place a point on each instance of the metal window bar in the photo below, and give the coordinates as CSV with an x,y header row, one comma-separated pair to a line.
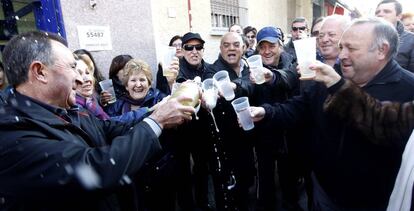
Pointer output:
x,y
224,13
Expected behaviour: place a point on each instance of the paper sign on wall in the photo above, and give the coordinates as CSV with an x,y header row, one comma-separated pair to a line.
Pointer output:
x,y
94,38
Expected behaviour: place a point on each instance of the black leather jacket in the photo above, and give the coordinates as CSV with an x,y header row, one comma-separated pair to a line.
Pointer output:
x,y
42,149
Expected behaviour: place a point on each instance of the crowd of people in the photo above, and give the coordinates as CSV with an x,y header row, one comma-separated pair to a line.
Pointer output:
x,y
332,142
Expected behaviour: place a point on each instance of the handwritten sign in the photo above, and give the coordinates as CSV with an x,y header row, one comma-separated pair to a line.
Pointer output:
x,y
95,38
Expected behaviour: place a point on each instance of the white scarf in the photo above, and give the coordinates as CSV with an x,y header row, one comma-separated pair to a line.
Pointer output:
x,y
400,199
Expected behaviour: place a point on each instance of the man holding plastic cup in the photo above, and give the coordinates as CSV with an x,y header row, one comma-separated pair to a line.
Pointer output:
x,y
236,143
349,171
281,82
192,65
277,64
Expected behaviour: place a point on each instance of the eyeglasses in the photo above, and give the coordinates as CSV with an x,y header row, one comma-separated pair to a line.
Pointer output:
x,y
177,45
251,37
188,47
298,28
315,33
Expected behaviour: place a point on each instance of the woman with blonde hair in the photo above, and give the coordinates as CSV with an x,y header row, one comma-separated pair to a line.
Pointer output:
x,y
137,81
86,96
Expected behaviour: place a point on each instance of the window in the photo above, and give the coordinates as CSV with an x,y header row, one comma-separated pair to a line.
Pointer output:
x,y
224,13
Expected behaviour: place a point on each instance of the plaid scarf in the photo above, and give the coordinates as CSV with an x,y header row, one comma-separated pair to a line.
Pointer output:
x,y
92,105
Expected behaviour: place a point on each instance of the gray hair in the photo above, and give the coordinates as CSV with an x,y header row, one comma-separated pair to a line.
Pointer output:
x,y
23,49
384,32
342,21
300,20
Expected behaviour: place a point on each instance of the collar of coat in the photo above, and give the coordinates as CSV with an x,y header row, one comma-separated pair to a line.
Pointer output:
x,y
391,72
34,109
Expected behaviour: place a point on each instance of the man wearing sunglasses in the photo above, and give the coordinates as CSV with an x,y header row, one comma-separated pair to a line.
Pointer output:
x,y
192,63
299,31
191,66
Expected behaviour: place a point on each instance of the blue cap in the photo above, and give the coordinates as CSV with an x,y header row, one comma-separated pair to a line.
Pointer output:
x,y
269,34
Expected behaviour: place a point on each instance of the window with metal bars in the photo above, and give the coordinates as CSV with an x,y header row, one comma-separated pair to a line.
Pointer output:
x,y
224,13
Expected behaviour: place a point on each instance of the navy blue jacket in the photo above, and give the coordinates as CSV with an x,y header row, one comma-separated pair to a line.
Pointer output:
x,y
117,112
235,141
405,56
43,150
189,72
354,172
2,98
286,82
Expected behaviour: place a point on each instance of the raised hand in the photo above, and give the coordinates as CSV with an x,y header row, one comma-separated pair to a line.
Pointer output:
x,y
325,73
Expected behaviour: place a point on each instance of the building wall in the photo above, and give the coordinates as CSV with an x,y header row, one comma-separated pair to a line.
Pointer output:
x,y
170,19
268,13
141,27
130,23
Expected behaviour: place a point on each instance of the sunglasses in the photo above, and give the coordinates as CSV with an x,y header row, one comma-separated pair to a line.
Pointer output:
x,y
298,28
198,47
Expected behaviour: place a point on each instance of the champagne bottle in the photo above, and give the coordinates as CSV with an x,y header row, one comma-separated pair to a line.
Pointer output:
x,y
190,89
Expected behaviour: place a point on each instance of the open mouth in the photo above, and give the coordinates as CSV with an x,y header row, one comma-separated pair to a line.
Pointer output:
x,y
138,90
231,55
325,46
87,85
346,65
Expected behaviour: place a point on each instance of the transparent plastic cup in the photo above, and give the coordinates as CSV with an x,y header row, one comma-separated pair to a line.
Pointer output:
x,y
210,92
306,55
169,54
256,68
107,86
242,108
223,82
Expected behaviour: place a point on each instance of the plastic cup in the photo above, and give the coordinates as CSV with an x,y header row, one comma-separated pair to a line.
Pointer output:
x,y
306,55
256,68
107,86
210,92
223,82
242,108
169,54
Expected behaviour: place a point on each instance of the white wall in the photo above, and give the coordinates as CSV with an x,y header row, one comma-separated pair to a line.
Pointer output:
x,y
140,27
130,22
